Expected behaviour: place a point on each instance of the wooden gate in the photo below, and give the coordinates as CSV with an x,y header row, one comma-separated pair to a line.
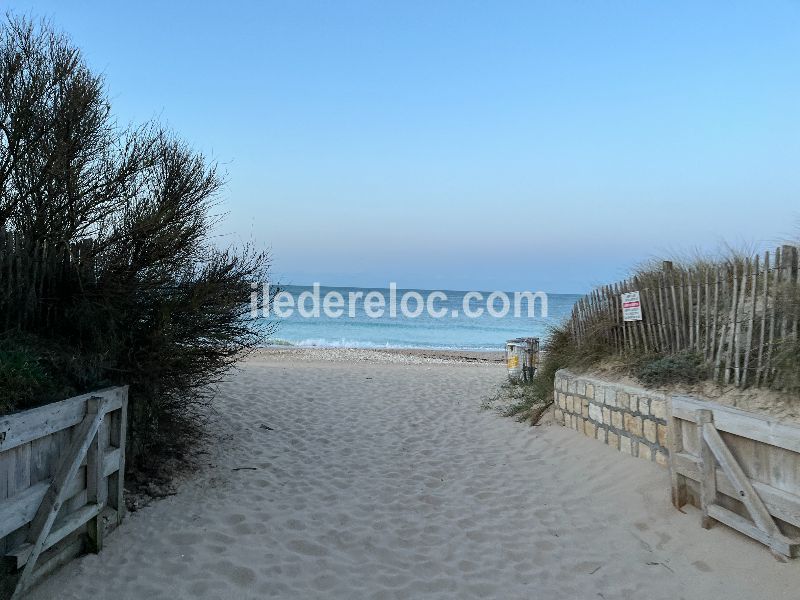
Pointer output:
x,y
61,482
740,469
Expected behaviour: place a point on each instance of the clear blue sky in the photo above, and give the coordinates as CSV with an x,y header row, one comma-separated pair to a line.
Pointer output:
x,y
470,145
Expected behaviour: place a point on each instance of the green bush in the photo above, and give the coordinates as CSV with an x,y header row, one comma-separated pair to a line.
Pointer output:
x,y
22,379
684,367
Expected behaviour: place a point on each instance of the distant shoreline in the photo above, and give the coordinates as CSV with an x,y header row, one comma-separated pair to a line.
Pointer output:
x,y
357,345
380,355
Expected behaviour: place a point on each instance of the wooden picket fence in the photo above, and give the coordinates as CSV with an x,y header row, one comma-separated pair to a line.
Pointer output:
x,y
733,313
34,275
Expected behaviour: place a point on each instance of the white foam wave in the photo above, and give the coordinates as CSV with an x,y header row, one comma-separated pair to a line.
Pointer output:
x,y
345,343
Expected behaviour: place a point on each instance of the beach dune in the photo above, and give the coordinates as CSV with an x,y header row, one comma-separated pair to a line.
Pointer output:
x,y
376,477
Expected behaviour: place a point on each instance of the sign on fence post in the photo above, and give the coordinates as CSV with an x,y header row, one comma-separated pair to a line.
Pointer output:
x,y
631,307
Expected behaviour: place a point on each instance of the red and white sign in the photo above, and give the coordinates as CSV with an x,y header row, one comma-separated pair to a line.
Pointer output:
x,y
631,307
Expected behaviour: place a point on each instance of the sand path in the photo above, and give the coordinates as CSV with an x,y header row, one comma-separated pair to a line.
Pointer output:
x,y
386,481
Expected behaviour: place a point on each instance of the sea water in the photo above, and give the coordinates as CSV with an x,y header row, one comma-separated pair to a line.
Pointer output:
x,y
453,331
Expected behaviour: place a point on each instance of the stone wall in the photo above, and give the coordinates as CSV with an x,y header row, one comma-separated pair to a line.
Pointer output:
x,y
632,420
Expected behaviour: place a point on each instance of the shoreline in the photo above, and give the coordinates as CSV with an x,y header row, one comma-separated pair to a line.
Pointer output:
x,y
378,355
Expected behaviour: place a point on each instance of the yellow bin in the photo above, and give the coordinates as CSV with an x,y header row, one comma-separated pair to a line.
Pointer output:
x,y
522,358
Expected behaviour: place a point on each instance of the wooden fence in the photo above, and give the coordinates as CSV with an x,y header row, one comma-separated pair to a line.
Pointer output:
x,y
34,276
734,314
740,469
61,482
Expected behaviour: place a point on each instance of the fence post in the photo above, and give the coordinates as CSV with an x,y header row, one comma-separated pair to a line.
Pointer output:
x,y
708,468
765,311
732,324
663,317
791,283
787,266
708,343
750,321
676,313
96,485
675,443
739,325
119,439
773,320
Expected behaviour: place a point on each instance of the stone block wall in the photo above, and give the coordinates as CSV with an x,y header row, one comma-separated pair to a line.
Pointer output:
x,y
632,420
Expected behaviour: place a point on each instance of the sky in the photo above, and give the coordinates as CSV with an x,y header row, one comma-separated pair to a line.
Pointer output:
x,y
469,145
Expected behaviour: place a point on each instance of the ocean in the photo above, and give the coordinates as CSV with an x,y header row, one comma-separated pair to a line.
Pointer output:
x,y
362,326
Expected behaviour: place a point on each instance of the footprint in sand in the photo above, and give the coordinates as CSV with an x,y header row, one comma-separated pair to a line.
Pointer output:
x,y
307,548
185,539
702,566
234,519
295,525
324,582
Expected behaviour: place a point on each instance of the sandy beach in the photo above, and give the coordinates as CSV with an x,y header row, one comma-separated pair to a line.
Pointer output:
x,y
357,474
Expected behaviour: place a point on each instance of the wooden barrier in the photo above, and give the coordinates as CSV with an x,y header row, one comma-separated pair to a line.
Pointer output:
x,y
739,468
736,314
61,482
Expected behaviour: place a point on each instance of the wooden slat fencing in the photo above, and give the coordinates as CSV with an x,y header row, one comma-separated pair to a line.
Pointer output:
x,y
34,275
735,314
61,482
740,469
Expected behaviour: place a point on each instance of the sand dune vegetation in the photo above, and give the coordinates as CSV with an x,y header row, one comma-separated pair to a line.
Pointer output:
x,y
109,272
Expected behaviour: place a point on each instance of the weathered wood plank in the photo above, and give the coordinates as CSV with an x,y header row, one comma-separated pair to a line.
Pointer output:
x,y
645,326
675,446
44,455
764,313
118,432
662,319
7,466
795,281
737,477
779,543
20,510
21,555
680,307
675,312
732,322
773,321
781,504
56,493
750,323
708,479
723,273
712,351
783,469
738,320
690,309
20,428
698,314
62,556
739,422
96,488
21,480
787,266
